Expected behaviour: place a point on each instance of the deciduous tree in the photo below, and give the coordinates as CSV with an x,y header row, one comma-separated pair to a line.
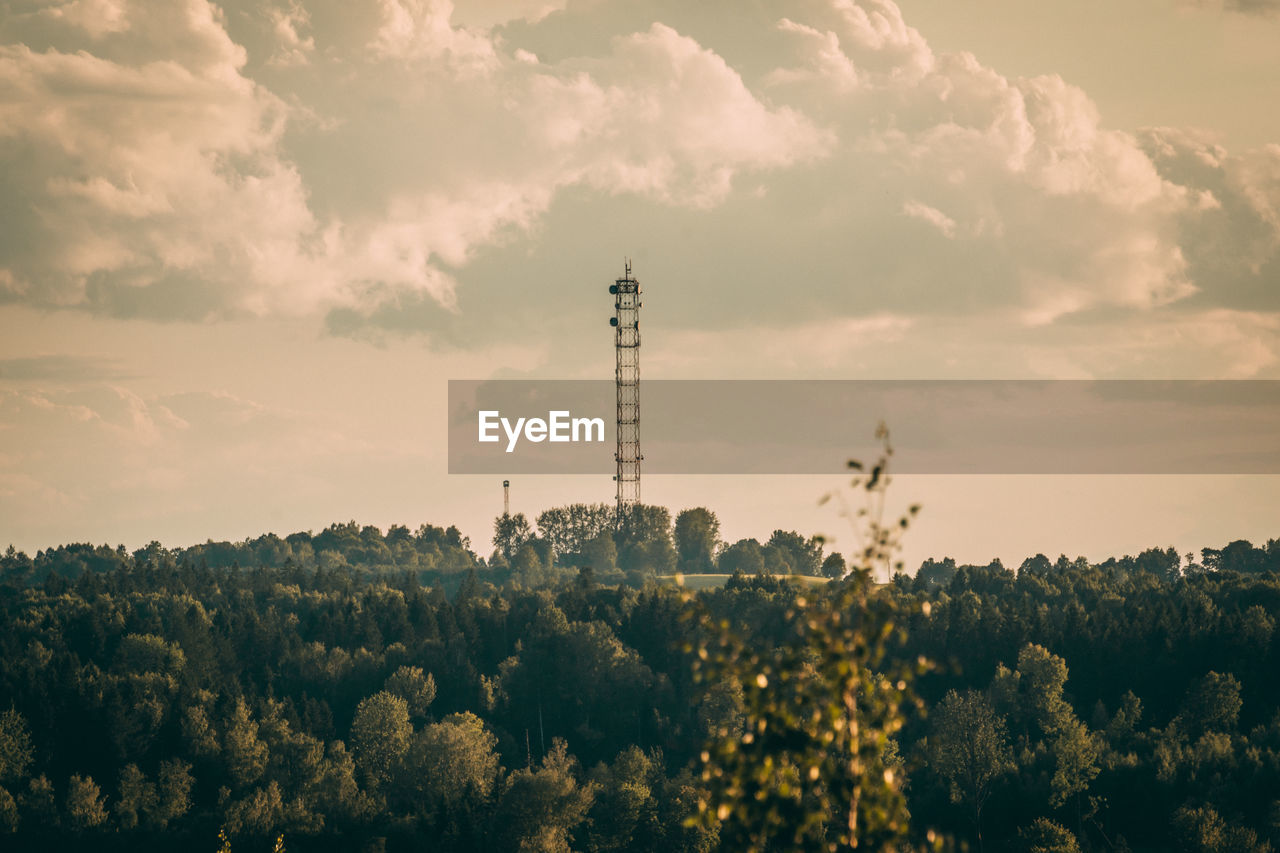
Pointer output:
x,y
380,733
697,534
969,748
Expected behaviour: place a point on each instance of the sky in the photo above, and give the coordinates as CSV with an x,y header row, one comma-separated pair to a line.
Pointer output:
x,y
244,246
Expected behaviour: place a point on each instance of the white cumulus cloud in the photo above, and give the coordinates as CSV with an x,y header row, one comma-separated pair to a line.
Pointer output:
x,y
163,178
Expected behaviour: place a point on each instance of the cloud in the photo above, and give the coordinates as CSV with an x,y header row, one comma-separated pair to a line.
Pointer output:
x,y
1209,344
416,30
53,426
486,14
157,173
289,24
60,368
1244,7
932,216
1068,215
673,120
822,347
366,162
1231,235
1037,209
163,178
96,17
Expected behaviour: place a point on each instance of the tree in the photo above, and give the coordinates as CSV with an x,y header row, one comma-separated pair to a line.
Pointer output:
x,y
1037,565
1075,759
417,690
173,793
9,817
85,809
1237,556
538,810
813,770
246,755
259,812
155,805
570,528
455,759
1164,564
528,568
834,566
337,794
38,802
16,753
745,556
1212,704
510,532
1124,724
1202,830
137,795
624,815
969,748
147,653
1035,691
1045,836
644,542
809,772
802,556
380,735
1041,678
574,673
937,573
600,552
697,533
721,711
16,750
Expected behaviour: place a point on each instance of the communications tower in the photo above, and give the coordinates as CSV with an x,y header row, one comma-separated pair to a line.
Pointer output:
x,y
626,323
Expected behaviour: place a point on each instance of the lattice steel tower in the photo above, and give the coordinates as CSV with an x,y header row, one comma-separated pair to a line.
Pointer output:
x,y
626,323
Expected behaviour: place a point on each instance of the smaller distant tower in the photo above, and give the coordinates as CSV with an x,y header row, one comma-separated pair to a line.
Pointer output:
x,y
506,498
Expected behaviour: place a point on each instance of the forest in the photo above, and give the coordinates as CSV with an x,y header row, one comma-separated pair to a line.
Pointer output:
x,y
369,690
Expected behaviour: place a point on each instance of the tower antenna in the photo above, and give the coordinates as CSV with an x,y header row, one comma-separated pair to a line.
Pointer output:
x,y
626,323
506,498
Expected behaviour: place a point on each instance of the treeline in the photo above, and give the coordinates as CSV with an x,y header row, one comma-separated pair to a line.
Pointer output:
x,y
329,689
433,553
647,542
